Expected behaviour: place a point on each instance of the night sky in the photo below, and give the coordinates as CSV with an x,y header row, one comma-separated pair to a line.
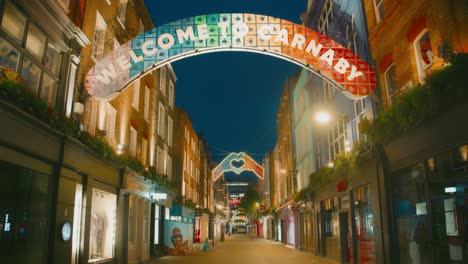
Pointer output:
x,y
231,97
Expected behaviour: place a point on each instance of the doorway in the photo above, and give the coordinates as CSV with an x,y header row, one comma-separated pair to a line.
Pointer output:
x,y
346,238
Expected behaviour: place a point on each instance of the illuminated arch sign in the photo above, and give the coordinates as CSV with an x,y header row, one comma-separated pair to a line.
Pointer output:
x,y
237,163
230,32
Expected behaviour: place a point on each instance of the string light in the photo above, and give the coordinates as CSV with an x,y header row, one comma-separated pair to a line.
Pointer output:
x,y
248,164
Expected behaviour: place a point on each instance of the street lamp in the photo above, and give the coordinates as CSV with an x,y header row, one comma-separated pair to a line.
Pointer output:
x,y
323,117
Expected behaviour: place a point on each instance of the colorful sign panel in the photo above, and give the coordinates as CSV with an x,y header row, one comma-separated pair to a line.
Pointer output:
x,y
238,163
178,238
230,32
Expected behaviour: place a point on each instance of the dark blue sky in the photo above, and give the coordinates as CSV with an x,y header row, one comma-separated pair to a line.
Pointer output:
x,y
231,97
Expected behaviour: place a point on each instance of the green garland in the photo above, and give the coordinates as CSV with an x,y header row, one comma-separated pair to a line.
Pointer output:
x,y
442,91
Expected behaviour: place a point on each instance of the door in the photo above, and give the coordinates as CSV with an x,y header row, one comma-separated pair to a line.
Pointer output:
x,y
345,237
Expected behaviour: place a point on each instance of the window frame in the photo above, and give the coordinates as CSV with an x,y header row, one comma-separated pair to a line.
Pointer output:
x,y
378,16
422,69
390,96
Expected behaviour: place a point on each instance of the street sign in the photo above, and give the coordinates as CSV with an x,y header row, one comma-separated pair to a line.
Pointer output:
x,y
230,32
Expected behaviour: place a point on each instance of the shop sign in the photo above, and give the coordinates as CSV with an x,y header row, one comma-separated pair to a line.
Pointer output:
x,y
230,32
159,196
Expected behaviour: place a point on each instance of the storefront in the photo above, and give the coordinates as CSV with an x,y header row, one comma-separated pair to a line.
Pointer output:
x,y
178,231
24,211
430,208
330,228
306,226
136,196
362,246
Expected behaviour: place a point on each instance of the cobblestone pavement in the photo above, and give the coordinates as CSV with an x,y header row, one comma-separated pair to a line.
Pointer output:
x,y
241,249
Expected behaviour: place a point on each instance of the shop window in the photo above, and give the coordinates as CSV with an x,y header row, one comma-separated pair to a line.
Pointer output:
x,y
102,226
145,221
390,84
131,219
364,225
461,157
379,10
35,41
14,21
136,94
8,55
31,73
24,214
49,90
424,54
156,224
167,214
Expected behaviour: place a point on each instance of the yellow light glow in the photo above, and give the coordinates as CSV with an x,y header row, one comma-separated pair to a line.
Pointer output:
x,y
322,117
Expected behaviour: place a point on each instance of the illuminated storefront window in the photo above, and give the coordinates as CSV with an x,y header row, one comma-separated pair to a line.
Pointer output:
x,y
102,226
363,221
429,200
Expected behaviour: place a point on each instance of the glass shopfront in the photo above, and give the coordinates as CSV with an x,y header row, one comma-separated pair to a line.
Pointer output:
x,y
430,204
102,227
331,228
364,228
24,214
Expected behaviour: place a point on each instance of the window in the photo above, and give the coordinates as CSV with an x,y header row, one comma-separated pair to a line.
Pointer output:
x,y
328,90
145,221
141,27
111,115
379,10
99,37
71,89
359,107
53,59
133,141
185,160
156,223
167,215
424,55
169,131
326,16
8,55
171,94
136,94
116,43
338,138
162,121
161,159
49,90
162,80
122,12
13,22
35,41
31,73
147,103
131,219
390,84
65,5
102,225
144,151
169,167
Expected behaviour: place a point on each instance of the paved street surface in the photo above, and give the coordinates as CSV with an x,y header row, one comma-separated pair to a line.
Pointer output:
x,y
241,249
